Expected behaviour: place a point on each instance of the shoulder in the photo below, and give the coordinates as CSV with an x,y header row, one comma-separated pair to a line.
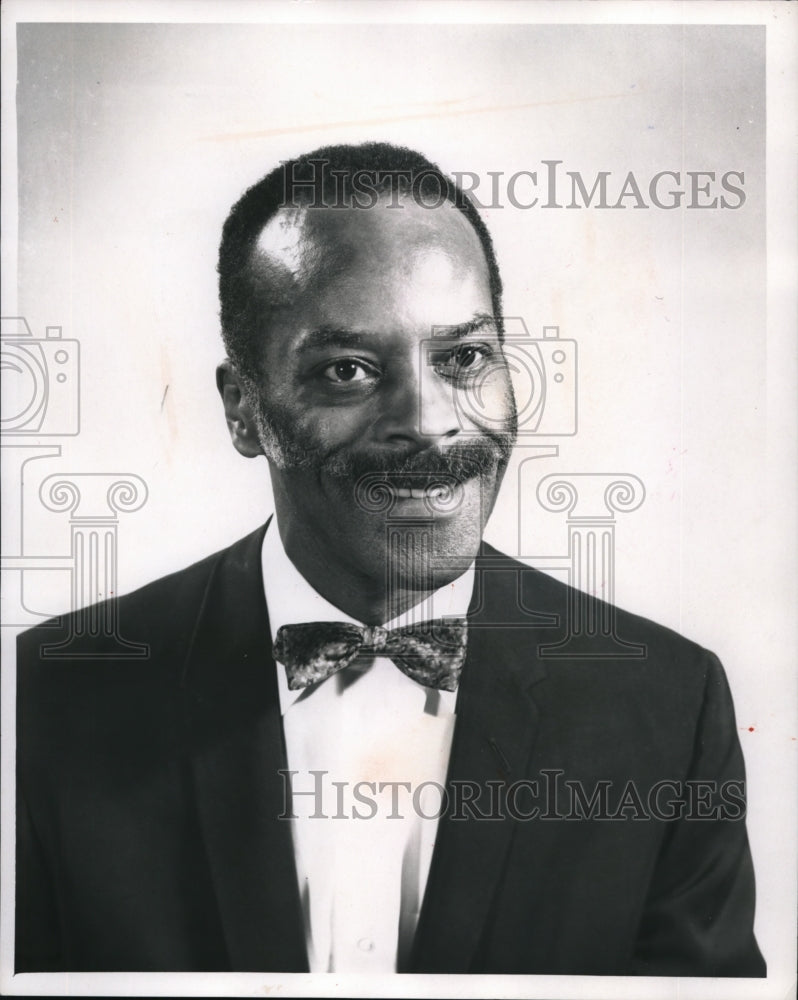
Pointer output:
x,y
159,615
575,631
105,682
630,688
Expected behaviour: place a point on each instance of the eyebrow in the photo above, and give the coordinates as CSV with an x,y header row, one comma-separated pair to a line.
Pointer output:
x,y
326,336
479,322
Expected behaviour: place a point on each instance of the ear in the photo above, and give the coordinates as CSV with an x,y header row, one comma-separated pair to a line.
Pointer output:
x,y
237,412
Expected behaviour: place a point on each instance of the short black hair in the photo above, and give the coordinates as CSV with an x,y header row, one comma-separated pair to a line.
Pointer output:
x,y
330,175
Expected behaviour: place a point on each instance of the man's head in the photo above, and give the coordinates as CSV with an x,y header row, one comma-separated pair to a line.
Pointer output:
x,y
361,311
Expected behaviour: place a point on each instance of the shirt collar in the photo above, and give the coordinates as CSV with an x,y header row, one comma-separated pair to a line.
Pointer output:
x,y
290,599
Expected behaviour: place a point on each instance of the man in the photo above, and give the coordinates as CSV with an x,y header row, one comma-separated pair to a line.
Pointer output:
x,y
254,796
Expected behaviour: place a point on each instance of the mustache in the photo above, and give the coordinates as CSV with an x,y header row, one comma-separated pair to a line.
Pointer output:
x,y
455,464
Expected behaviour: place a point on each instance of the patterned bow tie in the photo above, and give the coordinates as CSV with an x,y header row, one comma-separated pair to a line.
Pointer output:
x,y
430,652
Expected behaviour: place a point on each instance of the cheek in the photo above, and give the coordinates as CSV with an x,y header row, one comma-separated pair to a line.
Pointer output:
x,y
333,428
488,401
317,427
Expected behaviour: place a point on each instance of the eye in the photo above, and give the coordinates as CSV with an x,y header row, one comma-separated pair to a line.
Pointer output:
x,y
464,361
470,357
347,370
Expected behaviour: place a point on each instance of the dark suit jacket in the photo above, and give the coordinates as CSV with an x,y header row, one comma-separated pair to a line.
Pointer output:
x,y
148,836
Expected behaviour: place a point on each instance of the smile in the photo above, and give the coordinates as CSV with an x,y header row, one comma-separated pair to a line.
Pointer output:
x,y
423,493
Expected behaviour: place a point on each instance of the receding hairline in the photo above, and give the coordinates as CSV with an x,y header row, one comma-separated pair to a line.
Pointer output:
x,y
288,238
241,313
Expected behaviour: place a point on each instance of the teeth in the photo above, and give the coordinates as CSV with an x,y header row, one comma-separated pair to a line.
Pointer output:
x,y
415,494
419,493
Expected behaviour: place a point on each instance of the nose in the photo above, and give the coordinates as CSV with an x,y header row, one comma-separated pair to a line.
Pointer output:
x,y
420,410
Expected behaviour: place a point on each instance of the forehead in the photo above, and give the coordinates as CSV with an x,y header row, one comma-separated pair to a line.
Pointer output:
x,y
391,229
364,265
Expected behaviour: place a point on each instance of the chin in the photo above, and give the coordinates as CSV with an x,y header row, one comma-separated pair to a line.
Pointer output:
x,y
413,544
424,557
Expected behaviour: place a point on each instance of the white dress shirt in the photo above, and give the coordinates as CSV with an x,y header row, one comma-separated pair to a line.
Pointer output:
x,y
362,851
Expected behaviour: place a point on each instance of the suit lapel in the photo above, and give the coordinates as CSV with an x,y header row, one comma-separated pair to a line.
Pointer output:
x,y
236,749
496,728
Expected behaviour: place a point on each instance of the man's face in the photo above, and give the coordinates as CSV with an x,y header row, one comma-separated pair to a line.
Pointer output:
x,y
385,400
